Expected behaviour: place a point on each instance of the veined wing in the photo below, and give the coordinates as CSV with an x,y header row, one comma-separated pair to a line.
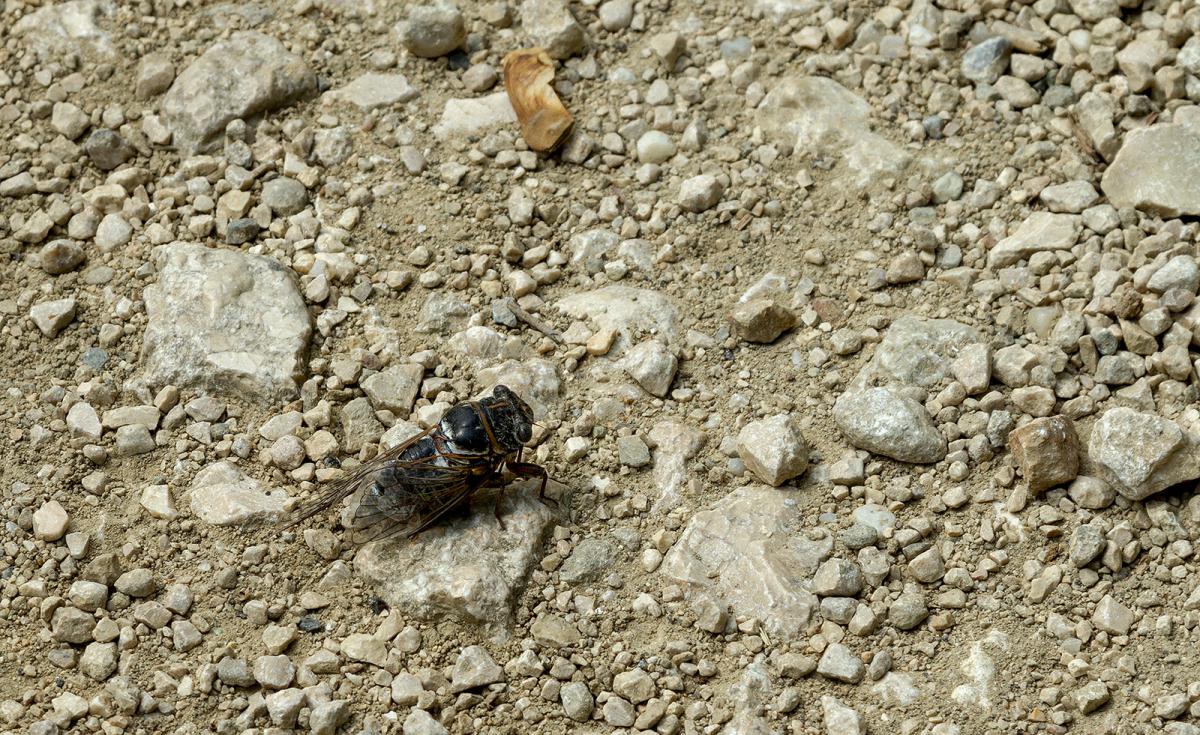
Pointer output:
x,y
351,483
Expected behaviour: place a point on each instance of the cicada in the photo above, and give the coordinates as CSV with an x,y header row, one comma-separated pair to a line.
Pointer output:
x,y
409,487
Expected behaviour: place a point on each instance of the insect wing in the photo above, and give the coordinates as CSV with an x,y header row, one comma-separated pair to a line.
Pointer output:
x,y
363,476
413,493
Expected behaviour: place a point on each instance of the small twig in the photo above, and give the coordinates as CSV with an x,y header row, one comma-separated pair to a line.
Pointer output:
x,y
533,321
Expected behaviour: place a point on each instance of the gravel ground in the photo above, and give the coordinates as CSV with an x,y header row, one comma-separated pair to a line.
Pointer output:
x,y
862,338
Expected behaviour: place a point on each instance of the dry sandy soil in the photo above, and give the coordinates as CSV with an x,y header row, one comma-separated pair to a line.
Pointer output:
x,y
862,340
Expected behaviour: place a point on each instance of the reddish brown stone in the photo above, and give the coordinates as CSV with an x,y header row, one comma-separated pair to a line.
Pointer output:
x,y
1046,451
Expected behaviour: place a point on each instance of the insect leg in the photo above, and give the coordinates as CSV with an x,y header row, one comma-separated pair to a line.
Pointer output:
x,y
496,509
529,469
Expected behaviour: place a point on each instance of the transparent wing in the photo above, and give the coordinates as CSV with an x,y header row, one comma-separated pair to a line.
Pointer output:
x,y
361,477
403,494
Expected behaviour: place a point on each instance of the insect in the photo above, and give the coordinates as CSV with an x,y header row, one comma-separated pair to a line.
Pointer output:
x,y
409,487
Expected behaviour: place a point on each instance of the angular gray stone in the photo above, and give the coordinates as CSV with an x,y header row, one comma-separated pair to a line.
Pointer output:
x,y
474,668
908,610
1071,198
839,663
366,648
471,116
234,672
154,75
359,425
551,25
236,78
577,701
326,717
1112,617
885,422
1157,170
372,90
700,193
284,706
774,449
634,685
107,149
420,722
1140,454
745,552
1091,697
917,351
1087,543
986,61
820,116
840,719
51,317
222,495
1180,272
553,632
433,30
652,366
72,625
1040,232
137,582
225,322
590,559
395,387
274,672
838,577
632,451
99,660
469,567
928,566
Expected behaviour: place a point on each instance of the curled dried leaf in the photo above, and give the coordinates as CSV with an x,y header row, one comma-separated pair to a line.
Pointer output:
x,y
545,121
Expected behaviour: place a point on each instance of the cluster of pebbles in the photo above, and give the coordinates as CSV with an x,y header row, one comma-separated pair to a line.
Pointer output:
x,y
863,340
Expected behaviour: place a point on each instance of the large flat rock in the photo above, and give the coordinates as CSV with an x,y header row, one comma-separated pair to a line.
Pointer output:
x,y
633,312
745,551
240,77
1157,170
469,567
824,119
60,28
224,321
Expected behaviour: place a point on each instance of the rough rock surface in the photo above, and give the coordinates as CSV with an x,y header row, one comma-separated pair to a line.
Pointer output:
x,y
741,552
774,449
1157,170
66,27
1040,232
238,78
469,568
372,90
886,422
224,321
817,113
917,351
1141,454
1047,451
222,495
629,311
474,116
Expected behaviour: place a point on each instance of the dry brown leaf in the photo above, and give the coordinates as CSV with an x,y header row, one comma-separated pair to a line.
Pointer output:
x,y
545,121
